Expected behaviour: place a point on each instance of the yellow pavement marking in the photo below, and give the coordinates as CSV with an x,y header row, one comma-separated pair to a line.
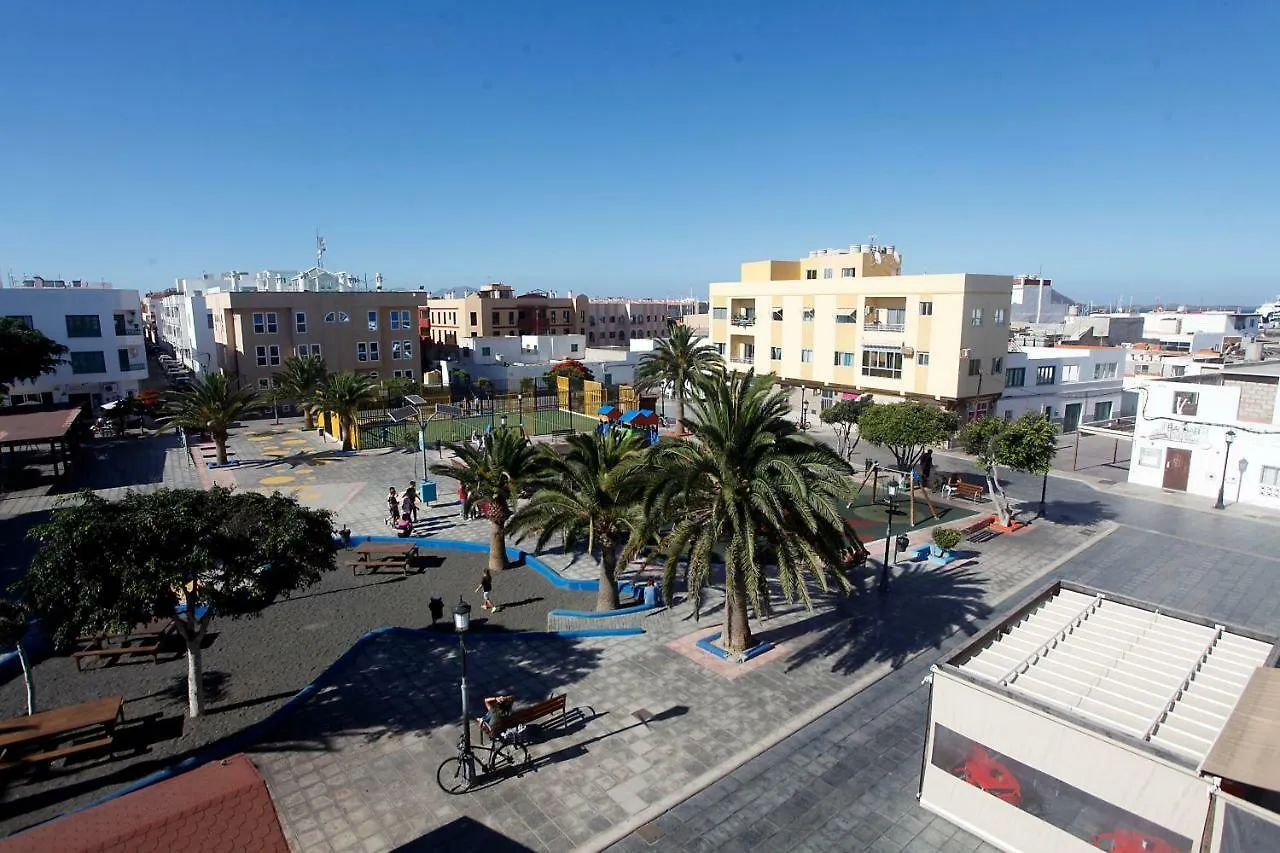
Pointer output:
x,y
276,480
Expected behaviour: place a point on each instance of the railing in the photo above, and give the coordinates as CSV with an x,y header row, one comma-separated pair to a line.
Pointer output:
x,y
739,359
744,321
884,327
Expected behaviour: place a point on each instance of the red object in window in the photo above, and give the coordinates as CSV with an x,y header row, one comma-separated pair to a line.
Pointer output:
x,y
1128,841
984,771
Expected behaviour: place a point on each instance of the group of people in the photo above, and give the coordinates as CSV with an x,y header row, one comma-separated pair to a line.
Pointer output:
x,y
402,510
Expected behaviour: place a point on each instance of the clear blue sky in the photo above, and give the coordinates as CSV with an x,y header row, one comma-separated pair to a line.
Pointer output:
x,y
645,148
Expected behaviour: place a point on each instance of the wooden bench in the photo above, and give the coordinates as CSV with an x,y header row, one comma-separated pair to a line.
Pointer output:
x,y
552,705
49,756
969,490
979,531
562,433
155,643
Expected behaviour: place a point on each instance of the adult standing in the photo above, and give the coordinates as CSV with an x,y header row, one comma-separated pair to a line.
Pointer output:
x,y
409,503
393,506
926,467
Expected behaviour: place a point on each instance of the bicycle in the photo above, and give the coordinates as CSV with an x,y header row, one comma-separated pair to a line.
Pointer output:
x,y
457,774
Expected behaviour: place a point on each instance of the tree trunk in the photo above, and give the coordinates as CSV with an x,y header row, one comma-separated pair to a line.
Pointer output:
x,y
607,595
345,426
195,674
1044,487
220,443
497,544
309,418
998,497
679,411
27,679
737,628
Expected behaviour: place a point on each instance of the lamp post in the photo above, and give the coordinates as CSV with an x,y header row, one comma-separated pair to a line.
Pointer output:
x,y
503,420
1222,486
461,622
889,502
804,414
520,407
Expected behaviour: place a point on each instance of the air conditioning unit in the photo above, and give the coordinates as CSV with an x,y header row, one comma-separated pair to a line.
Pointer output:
x,y
908,352
964,353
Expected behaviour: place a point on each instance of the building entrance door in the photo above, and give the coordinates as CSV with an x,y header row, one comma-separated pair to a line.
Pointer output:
x,y
1177,468
1071,417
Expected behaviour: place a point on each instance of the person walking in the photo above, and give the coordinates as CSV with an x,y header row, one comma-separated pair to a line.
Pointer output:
x,y
486,587
393,506
926,466
409,502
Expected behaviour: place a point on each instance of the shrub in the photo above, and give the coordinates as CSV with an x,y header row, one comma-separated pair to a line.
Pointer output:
x,y
946,538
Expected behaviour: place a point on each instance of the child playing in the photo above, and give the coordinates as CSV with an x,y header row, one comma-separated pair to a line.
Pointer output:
x,y
393,506
486,587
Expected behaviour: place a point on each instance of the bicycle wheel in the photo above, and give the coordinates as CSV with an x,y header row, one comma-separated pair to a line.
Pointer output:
x,y
456,775
509,756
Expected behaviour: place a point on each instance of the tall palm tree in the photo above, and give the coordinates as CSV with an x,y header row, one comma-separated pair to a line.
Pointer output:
x,y
301,378
344,394
211,403
593,497
494,477
755,488
683,362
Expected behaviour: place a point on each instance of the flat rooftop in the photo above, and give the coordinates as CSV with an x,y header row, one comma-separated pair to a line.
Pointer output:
x,y
1166,680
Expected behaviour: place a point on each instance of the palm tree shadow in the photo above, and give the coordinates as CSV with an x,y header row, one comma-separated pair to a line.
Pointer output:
x,y
924,606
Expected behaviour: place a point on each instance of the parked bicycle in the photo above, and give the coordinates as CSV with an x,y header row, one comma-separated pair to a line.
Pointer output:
x,y
459,774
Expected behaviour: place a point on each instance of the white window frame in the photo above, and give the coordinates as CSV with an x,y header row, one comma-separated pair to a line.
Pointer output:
x,y
1105,370
259,323
848,272
1070,373
1269,475
395,351
373,351
1149,457
273,323
975,317
997,365
806,356
362,351
273,355
828,272
775,353
399,319
926,309
300,322
337,317
997,317
261,354
922,359
373,321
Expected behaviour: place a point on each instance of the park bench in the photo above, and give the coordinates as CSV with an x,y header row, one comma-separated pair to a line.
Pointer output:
x,y
970,491
520,716
562,433
376,556
979,531
150,643
46,736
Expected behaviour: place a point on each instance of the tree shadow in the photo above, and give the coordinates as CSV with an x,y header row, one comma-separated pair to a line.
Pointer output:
x,y
1073,513
118,464
463,833
924,606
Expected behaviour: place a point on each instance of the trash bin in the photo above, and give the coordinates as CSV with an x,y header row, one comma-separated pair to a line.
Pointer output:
x,y
426,492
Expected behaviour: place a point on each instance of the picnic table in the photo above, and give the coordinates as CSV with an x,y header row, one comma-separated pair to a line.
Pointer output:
x,y
50,735
149,640
381,555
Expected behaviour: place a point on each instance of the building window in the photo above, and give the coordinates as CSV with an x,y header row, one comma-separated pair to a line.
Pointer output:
x,y
89,362
975,367
777,315
511,318
883,363
828,272
926,309
273,353
806,356
337,317
716,314
261,354
396,351
373,350
1070,373
1270,476
407,347
1186,403
264,384
1046,375
810,274
807,316
1149,457
300,322
843,359
997,365
373,321
997,317
496,318
720,349
402,374
848,272
399,320
362,351
1105,370
922,359
25,320
1015,377
847,318
304,350
84,326
975,318
209,318
573,347
775,353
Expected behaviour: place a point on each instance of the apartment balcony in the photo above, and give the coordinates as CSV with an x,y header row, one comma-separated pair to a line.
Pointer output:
x,y
895,328
744,322
742,359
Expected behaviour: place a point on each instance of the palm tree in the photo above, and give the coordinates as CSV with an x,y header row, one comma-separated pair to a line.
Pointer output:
x,y
13,629
301,378
494,477
212,403
683,362
593,496
344,394
755,488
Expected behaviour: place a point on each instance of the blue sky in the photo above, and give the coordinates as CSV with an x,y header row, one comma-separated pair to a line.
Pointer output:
x,y
645,148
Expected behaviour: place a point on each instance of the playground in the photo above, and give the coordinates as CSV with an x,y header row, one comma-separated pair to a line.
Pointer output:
x,y
914,507
385,433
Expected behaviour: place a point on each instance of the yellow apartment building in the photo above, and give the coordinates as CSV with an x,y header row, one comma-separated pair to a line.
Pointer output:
x,y
369,332
496,310
845,321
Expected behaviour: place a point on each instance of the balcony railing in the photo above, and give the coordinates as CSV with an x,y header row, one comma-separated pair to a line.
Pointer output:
x,y
742,359
884,327
744,321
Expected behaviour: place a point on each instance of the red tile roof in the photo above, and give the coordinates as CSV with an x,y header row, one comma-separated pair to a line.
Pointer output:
x,y
36,426
218,808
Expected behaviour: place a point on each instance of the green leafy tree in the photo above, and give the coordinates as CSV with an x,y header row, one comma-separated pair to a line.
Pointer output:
x,y
25,353
681,364
906,429
13,628
1026,445
494,476
752,485
593,497
459,378
528,386
302,376
212,404
181,553
572,368
843,417
344,394
398,387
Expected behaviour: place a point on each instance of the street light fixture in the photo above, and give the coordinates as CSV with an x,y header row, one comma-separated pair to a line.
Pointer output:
x,y
890,505
1222,485
503,420
461,622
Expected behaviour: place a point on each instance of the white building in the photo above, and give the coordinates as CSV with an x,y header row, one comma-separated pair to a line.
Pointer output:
x,y
185,323
507,361
1183,426
1034,300
100,326
1069,384
1157,325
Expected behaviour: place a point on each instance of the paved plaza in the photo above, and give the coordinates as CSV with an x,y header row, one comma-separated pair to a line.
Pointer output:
x,y
813,746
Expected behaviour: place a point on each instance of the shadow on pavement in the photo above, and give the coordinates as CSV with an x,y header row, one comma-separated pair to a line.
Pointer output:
x,y
1074,513
463,833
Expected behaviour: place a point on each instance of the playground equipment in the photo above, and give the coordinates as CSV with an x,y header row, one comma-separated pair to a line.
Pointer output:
x,y
908,482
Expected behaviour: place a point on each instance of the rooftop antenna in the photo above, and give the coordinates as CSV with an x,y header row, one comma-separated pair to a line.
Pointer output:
x,y
320,248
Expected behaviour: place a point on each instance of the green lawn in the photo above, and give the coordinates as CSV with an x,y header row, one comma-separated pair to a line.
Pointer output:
x,y
457,429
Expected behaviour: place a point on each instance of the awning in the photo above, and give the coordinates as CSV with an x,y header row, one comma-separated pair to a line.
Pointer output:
x,y
1248,748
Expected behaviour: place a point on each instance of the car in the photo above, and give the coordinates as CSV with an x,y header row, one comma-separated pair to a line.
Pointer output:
x,y
1130,841
983,770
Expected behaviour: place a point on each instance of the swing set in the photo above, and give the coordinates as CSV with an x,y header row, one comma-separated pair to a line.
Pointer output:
x,y
907,482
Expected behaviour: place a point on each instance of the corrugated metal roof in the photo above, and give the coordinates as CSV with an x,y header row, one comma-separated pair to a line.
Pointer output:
x,y
1164,680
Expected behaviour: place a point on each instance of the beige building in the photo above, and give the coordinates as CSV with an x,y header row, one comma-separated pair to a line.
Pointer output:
x,y
846,321
496,311
369,332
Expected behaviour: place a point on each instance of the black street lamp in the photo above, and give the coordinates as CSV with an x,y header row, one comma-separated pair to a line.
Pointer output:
x,y
890,503
503,420
804,414
461,622
1222,486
